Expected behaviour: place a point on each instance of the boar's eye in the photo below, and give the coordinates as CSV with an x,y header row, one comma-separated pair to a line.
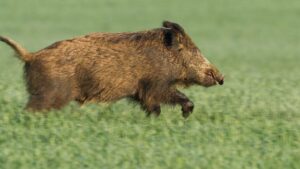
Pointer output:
x,y
180,47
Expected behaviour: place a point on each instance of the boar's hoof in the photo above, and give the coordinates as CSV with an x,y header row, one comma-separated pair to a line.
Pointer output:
x,y
187,109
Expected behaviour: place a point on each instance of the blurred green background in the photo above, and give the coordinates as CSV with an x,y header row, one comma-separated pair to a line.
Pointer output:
x,y
253,121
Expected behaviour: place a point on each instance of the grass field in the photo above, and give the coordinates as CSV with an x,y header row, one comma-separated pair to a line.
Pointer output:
x,y
253,121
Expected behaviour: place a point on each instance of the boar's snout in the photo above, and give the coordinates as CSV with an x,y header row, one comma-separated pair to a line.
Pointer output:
x,y
217,76
221,82
212,76
209,76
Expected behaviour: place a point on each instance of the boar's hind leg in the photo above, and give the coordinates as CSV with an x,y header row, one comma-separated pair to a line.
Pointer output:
x,y
49,95
38,102
176,97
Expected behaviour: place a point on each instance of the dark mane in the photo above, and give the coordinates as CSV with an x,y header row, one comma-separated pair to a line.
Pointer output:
x,y
136,37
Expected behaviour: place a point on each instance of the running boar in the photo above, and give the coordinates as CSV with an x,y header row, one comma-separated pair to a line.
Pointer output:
x,y
144,66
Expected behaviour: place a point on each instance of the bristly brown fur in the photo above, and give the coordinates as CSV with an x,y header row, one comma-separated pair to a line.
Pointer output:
x,y
145,66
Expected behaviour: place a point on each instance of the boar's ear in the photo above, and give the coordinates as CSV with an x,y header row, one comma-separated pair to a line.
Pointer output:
x,y
171,39
174,26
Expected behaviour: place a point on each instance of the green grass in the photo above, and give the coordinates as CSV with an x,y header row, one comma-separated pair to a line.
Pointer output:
x,y
253,121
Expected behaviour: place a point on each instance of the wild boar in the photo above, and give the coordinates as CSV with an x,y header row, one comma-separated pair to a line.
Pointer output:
x,y
145,66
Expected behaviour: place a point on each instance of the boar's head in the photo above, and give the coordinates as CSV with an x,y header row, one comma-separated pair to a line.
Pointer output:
x,y
197,69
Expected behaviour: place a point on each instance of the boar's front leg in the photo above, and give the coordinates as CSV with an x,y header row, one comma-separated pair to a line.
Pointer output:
x,y
150,106
148,96
152,109
187,106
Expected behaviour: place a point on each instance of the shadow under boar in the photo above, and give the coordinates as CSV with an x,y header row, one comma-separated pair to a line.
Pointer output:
x,y
145,66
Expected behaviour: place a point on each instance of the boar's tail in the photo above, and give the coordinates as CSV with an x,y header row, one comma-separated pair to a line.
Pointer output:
x,y
23,54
